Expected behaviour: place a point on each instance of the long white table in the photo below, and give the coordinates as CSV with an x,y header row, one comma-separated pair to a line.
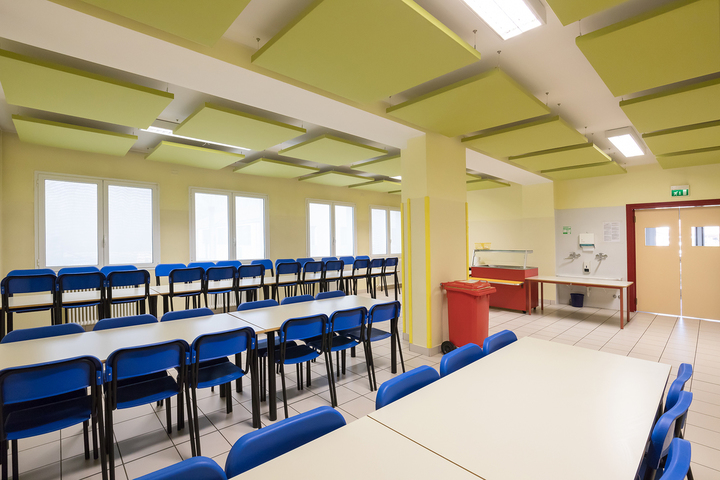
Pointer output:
x,y
537,410
621,286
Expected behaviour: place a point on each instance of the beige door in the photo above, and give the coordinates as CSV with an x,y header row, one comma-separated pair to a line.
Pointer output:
x,y
700,262
658,261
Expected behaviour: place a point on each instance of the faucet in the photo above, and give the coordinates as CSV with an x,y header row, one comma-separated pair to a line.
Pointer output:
x,y
574,255
600,257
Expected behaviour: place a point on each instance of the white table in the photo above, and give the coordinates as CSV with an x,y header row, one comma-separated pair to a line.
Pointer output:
x,y
537,410
621,286
269,320
361,450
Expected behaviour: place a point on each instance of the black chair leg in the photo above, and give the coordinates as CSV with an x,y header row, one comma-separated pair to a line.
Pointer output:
x,y
228,398
86,440
238,382
94,437
308,374
15,468
282,380
331,379
168,415
369,365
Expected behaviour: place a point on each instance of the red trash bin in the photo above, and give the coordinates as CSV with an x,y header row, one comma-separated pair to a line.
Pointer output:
x,y
468,309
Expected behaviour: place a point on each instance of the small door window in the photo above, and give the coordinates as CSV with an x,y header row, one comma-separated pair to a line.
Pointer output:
x,y
657,236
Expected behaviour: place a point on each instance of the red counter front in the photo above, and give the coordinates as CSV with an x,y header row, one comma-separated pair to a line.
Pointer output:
x,y
509,295
468,310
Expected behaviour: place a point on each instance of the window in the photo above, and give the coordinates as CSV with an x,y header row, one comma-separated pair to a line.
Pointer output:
x,y
705,236
83,221
331,229
657,236
385,231
227,225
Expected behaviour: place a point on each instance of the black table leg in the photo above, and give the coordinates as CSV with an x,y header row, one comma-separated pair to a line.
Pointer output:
x,y
152,303
254,387
272,394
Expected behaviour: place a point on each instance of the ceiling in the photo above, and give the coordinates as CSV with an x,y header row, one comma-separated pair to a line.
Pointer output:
x,y
545,62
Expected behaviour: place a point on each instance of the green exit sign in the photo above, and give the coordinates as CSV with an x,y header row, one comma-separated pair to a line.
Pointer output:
x,y
680,190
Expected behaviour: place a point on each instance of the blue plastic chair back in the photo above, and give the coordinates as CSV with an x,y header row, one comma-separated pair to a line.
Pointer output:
x,y
297,299
347,260
382,312
290,268
265,263
129,321
194,468
303,261
497,341
664,430
229,263
361,264
684,373
250,271
284,260
327,259
28,283
405,384
42,332
459,358
222,345
128,278
303,327
30,271
257,304
189,274
81,281
164,269
147,359
116,268
391,262
203,265
377,263
348,319
312,267
362,257
220,273
26,384
260,446
181,314
65,270
331,294
677,464
334,266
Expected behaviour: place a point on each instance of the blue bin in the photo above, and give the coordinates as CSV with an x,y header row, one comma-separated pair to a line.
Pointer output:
x,y
576,299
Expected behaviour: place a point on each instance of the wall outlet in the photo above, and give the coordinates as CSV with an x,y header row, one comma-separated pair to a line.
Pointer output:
x,y
586,267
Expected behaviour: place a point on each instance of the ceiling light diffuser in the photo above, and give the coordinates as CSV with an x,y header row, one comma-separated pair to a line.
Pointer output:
x,y
509,18
626,141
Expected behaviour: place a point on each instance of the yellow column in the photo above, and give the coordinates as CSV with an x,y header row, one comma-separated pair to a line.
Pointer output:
x,y
434,234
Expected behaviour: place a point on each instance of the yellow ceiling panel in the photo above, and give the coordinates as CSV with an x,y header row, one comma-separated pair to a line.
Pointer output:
x,y
191,156
682,139
692,158
487,100
563,157
224,125
332,150
569,11
62,135
335,179
266,167
469,177
189,19
378,186
396,192
675,42
32,83
485,184
543,134
584,171
697,103
365,50
390,167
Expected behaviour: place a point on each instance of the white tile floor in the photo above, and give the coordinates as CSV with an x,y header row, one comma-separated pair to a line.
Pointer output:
x,y
143,446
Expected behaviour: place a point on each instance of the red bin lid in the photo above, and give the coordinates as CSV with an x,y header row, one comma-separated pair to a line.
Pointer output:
x,y
472,287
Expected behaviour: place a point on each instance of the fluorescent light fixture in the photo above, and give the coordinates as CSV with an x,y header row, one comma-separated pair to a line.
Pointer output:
x,y
399,178
169,133
509,18
626,141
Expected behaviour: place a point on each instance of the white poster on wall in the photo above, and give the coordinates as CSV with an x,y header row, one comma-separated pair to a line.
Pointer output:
x,y
611,231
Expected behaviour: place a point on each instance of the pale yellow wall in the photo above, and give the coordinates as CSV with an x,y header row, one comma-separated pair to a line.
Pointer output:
x,y
287,199
642,184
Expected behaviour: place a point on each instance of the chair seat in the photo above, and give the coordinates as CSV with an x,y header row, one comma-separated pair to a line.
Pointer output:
x,y
215,373
299,354
44,417
262,348
133,394
375,335
340,342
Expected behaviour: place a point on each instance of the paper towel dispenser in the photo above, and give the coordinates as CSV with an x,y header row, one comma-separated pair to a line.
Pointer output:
x,y
587,241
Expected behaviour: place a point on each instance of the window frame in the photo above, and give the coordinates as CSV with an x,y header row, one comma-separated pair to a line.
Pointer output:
x,y
103,223
387,210
232,240
332,205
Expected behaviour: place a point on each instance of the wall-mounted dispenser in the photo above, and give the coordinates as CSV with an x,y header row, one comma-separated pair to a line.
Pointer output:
x,y
587,241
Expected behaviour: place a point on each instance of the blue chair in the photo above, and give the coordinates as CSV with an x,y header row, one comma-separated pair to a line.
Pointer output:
x,y
194,468
116,268
662,435
49,397
303,261
375,271
184,276
182,314
220,274
260,446
139,376
250,278
459,358
124,279
497,341
284,260
390,270
685,371
261,344
405,384
382,312
129,321
257,304
65,270
347,260
70,282
229,263
269,267
333,272
331,294
677,464
362,257
360,268
327,259
290,285
164,269
297,299
301,328
27,281
203,265
311,276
